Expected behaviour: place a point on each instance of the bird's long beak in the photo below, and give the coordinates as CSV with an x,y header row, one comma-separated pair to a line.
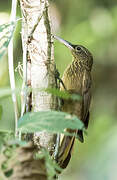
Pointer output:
x,y
66,43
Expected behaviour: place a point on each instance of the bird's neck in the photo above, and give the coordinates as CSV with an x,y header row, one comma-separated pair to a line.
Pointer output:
x,y
77,65
80,65
74,69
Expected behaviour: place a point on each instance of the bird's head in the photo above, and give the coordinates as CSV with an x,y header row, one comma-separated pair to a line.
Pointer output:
x,y
79,52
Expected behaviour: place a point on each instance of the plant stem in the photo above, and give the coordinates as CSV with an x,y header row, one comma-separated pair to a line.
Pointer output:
x,y
11,66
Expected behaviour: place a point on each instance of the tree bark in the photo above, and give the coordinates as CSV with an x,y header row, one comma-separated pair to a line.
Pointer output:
x,y
39,74
36,36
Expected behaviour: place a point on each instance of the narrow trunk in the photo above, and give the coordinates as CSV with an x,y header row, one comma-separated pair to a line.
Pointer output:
x,y
39,74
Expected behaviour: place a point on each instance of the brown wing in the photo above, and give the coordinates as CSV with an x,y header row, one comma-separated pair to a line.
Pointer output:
x,y
86,93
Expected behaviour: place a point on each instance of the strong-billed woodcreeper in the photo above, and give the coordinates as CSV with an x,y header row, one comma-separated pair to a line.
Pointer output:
x,y
77,80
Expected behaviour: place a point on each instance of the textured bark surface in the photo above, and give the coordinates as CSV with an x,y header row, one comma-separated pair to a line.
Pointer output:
x,y
36,37
39,74
26,167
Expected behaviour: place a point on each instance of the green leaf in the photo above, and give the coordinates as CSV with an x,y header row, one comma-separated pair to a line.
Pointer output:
x,y
8,173
51,121
51,165
76,97
6,33
63,94
5,136
58,93
7,92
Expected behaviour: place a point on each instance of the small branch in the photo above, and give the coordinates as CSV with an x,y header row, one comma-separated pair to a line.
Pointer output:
x,y
11,66
24,85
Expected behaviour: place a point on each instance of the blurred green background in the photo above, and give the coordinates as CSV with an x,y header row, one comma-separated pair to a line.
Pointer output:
x,y
92,23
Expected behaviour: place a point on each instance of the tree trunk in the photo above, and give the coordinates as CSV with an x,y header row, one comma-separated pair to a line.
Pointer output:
x,y
39,74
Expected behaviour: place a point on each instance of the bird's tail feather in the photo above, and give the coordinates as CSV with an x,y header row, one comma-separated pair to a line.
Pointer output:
x,y
65,150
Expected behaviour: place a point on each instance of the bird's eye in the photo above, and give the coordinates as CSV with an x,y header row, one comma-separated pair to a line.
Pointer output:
x,y
78,48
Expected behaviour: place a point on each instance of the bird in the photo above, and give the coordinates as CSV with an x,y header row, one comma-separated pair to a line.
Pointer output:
x,y
77,80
